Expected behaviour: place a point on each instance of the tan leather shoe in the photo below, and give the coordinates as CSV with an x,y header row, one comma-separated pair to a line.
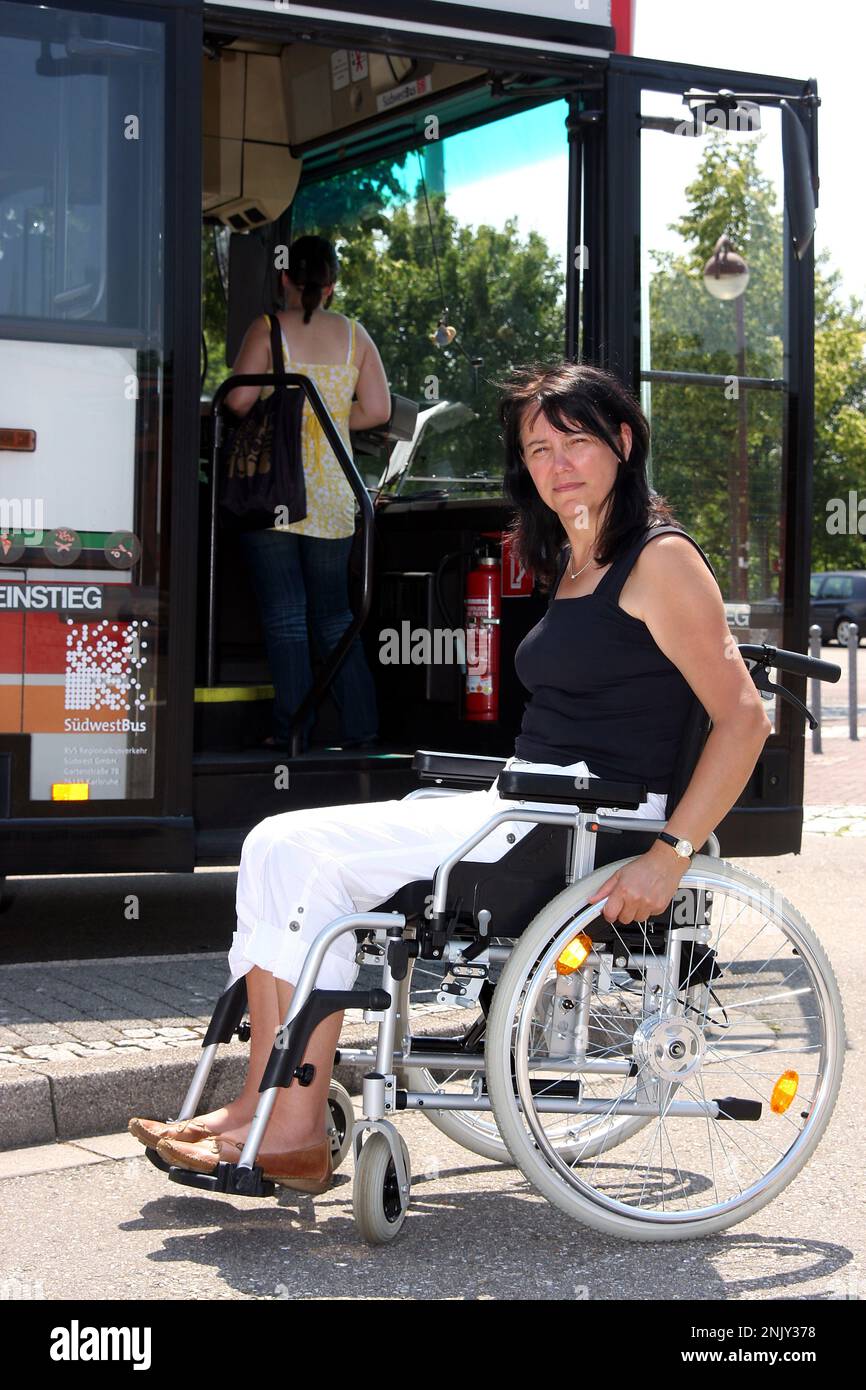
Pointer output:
x,y
305,1170
149,1132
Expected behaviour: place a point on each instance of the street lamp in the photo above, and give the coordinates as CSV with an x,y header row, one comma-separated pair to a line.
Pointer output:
x,y
726,276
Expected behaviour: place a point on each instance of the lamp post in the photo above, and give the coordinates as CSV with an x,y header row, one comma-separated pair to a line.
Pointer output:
x,y
726,276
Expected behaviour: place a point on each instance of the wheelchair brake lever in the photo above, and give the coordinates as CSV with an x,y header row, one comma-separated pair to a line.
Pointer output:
x,y
444,925
761,677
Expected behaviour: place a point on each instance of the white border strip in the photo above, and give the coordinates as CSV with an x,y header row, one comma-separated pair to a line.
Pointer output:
x,y
372,21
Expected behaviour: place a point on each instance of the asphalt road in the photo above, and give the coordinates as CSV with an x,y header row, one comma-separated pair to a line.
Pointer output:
x,y
113,1227
117,1229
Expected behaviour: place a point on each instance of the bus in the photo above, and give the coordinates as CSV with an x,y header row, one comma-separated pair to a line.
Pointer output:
x,y
501,181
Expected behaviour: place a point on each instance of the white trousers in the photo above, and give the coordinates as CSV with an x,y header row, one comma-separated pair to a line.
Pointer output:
x,y
302,869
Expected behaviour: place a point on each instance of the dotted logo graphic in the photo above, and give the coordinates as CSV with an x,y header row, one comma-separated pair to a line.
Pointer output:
x,y
104,665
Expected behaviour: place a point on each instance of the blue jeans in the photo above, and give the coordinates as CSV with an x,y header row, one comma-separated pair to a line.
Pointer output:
x,y
293,576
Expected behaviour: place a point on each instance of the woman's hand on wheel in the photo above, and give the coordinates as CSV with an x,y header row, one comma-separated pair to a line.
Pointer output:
x,y
643,888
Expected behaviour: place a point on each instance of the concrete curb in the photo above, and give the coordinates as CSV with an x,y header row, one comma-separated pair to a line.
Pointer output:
x,y
52,1102
74,1100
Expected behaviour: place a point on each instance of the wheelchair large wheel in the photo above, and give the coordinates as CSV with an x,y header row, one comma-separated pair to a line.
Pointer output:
x,y
735,1063
477,1130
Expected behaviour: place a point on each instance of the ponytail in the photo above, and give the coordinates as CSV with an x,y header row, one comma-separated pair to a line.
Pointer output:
x,y
311,298
312,264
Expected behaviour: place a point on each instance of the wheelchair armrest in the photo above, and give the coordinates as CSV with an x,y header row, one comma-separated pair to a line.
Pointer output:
x,y
461,769
586,792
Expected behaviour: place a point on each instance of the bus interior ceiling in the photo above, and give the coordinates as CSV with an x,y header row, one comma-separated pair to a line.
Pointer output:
x,y
276,119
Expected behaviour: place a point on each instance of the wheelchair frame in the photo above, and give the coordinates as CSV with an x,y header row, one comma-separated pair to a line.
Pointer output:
x,y
385,1006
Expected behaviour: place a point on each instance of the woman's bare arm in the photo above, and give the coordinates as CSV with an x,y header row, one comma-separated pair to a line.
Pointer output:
x,y
253,359
373,406
683,608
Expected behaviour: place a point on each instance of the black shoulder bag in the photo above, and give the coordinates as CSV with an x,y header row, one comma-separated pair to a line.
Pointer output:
x,y
261,464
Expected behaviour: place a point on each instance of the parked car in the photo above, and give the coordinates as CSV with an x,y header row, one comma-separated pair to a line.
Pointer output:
x,y
839,598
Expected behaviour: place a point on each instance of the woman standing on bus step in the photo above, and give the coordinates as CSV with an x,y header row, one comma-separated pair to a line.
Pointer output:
x,y
302,568
635,630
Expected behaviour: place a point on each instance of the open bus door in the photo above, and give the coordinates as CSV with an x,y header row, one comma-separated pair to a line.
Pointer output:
x,y
364,89
724,362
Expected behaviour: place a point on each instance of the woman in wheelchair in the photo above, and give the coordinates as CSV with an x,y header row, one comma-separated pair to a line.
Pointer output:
x,y
635,629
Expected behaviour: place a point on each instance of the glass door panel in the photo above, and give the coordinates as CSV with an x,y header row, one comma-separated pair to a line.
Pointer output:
x,y
713,356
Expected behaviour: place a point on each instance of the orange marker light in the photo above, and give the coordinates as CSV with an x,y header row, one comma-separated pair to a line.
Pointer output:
x,y
70,791
574,955
784,1092
18,441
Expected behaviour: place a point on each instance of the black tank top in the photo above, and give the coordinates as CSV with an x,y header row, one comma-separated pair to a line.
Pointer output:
x,y
601,689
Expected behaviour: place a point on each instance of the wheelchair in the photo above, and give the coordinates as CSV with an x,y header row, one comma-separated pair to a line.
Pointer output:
x,y
656,1080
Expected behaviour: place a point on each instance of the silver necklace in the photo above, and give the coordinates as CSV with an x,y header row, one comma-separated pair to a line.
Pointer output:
x,y
571,573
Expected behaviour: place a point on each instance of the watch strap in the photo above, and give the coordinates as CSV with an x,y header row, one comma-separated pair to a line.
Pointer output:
x,y
669,839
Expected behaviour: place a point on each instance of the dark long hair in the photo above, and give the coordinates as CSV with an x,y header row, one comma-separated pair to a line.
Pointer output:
x,y
312,264
574,395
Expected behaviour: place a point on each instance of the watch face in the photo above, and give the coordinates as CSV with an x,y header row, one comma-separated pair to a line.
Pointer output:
x,y
684,847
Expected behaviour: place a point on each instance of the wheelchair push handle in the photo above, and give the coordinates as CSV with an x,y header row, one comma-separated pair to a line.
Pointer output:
x,y
794,662
797,663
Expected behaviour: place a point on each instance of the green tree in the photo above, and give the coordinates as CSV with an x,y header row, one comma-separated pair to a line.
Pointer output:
x,y
213,314
503,295
696,428
840,422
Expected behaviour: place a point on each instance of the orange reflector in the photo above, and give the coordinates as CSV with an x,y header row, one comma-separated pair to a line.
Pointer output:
x,y
18,441
784,1092
574,955
70,791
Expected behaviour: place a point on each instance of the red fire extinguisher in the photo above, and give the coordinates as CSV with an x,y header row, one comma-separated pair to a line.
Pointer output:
x,y
483,608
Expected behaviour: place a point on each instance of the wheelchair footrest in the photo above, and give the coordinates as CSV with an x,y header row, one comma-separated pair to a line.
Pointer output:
x,y
228,1177
157,1160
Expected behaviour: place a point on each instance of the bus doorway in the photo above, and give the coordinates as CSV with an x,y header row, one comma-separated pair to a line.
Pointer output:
x,y
369,180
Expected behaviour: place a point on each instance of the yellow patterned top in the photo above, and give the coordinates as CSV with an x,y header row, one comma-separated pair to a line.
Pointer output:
x,y
330,499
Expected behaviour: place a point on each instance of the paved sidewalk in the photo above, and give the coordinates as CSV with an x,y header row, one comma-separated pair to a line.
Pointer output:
x,y
837,775
64,1011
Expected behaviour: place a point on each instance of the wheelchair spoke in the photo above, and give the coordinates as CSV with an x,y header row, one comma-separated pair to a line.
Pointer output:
x,y
747,1018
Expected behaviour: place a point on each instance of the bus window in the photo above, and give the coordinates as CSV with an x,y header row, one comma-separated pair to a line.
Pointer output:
x,y
78,232
466,232
82,149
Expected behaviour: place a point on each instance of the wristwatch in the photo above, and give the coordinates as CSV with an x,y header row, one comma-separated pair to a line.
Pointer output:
x,y
683,847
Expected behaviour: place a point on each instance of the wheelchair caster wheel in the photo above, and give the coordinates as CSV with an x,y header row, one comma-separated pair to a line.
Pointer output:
x,y
376,1199
339,1119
